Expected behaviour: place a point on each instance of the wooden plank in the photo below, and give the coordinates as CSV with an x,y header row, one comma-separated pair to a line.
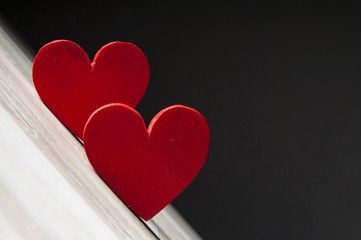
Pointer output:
x,y
62,151
49,184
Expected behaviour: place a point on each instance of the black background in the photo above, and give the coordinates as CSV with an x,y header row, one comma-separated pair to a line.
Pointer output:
x,y
280,87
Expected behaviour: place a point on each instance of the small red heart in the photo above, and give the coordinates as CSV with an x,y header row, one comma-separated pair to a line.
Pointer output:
x,y
147,169
73,88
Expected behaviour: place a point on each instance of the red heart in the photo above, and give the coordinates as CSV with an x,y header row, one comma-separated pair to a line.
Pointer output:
x,y
73,88
147,169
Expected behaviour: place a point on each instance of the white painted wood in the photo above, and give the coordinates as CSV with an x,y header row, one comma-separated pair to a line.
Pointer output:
x,y
49,190
63,152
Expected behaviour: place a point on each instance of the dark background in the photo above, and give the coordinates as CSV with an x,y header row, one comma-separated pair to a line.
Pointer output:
x,y
280,87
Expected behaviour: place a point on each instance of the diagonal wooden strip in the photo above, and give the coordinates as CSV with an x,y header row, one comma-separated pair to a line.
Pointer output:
x,y
66,154
61,149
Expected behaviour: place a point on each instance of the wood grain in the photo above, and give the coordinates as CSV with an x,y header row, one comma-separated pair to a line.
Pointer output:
x,y
50,190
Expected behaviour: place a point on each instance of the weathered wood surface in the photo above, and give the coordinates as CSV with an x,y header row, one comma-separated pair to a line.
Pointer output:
x,y
48,188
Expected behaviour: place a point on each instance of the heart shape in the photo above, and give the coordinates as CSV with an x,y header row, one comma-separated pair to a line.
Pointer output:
x,y
147,169
73,88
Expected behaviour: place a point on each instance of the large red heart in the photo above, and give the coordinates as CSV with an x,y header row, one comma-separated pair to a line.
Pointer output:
x,y
147,169
73,88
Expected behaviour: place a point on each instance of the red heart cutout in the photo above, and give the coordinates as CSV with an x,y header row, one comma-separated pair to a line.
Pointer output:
x,y
147,169
73,88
